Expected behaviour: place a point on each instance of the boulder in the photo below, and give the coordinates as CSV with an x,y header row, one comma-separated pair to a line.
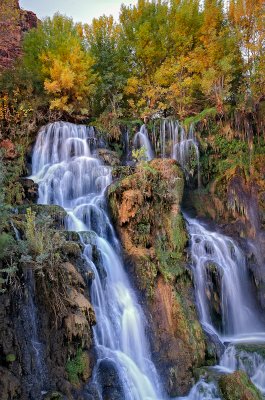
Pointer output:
x,y
109,157
238,386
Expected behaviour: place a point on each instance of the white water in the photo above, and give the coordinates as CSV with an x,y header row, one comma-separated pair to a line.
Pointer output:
x,y
141,139
249,361
70,176
203,391
176,143
241,320
238,308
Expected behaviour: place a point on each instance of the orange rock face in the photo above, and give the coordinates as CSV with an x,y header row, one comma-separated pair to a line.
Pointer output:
x,y
14,22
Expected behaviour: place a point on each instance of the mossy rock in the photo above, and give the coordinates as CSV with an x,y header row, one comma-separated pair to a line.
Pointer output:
x,y
71,249
71,236
238,386
109,157
56,214
251,348
44,209
78,367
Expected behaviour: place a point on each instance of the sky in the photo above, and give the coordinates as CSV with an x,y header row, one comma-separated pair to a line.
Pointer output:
x,y
79,10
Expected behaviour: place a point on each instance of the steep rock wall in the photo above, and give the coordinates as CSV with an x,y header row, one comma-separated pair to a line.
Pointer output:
x,y
146,209
14,22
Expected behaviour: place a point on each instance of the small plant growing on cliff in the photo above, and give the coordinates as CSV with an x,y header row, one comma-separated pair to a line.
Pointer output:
x,y
34,236
139,154
76,367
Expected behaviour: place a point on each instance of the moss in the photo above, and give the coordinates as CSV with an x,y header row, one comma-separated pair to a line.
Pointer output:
x,y
238,386
251,348
76,367
71,249
10,357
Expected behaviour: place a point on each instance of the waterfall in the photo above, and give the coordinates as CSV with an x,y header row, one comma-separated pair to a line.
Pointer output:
x,y
36,379
184,148
220,274
203,391
176,143
212,250
70,176
141,139
251,362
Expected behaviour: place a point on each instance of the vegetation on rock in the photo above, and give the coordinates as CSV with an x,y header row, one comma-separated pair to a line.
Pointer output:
x,y
146,210
237,386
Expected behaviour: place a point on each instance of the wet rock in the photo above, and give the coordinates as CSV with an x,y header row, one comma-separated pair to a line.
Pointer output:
x,y
91,393
238,386
110,382
53,396
30,190
10,386
109,157
213,294
73,275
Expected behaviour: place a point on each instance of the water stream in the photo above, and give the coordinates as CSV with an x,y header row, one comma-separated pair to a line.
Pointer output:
x,y
171,140
221,277
71,176
141,139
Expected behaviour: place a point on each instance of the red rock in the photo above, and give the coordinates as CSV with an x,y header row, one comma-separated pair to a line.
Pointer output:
x,y
14,22
9,149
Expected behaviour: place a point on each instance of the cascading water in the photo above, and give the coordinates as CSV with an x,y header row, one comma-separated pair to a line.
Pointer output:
x,y
238,308
183,149
141,139
68,175
215,254
174,142
36,376
251,362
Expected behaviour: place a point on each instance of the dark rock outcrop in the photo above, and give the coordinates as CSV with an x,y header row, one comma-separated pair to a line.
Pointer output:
x,y
46,317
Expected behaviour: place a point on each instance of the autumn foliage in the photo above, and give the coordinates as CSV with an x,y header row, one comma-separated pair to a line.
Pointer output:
x,y
173,57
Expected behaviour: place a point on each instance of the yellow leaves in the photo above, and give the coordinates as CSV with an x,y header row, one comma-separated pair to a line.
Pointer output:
x,y
60,104
62,77
132,86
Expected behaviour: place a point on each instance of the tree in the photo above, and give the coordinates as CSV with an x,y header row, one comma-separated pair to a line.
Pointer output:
x,y
56,55
110,64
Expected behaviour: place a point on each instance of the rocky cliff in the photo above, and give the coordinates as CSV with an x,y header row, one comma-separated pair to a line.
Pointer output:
x,y
46,317
14,22
146,209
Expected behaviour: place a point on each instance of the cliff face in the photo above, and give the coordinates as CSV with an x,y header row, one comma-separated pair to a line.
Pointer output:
x,y
14,22
46,317
146,209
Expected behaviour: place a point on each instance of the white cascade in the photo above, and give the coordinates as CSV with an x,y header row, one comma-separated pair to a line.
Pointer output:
x,y
70,176
141,139
241,320
239,312
252,362
176,143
